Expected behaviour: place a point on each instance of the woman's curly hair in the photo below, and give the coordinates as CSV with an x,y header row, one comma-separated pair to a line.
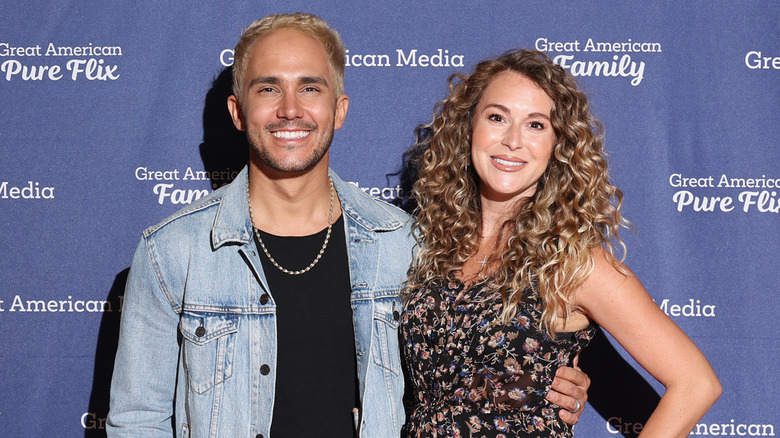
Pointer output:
x,y
550,235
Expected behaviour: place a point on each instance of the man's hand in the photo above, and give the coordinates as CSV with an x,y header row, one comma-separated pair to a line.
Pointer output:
x,y
570,392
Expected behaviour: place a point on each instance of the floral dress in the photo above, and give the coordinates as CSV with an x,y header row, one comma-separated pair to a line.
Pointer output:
x,y
473,378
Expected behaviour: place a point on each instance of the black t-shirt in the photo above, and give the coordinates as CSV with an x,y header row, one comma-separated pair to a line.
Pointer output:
x,y
316,378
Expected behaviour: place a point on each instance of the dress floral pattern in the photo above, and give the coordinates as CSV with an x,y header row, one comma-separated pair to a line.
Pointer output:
x,y
473,378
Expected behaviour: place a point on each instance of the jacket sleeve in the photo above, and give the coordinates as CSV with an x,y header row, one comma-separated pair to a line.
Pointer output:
x,y
144,380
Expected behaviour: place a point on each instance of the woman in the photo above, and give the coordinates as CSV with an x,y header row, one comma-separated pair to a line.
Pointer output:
x,y
518,228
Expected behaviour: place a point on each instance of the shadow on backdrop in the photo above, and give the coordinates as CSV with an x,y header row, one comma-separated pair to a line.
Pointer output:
x,y
225,149
408,173
107,340
619,394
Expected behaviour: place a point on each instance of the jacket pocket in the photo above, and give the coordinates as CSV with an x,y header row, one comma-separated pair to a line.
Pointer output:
x,y
209,348
385,343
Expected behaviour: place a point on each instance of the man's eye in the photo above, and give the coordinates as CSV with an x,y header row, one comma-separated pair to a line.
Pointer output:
x,y
311,89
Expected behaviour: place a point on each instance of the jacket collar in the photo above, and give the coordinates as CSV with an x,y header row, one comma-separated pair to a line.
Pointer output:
x,y
232,224
366,211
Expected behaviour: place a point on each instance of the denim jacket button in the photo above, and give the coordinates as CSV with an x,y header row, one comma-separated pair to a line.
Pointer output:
x,y
396,315
265,369
259,435
200,331
264,299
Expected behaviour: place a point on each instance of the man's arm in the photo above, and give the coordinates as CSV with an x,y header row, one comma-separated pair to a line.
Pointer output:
x,y
144,379
570,392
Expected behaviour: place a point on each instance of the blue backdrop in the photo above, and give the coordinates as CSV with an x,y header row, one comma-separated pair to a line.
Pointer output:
x,y
112,111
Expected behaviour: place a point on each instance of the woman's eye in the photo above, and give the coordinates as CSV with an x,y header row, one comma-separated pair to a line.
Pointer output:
x,y
496,117
537,125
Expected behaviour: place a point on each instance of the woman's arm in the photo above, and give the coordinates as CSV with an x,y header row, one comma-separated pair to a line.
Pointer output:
x,y
619,303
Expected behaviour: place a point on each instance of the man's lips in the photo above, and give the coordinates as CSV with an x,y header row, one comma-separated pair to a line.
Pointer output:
x,y
290,135
291,130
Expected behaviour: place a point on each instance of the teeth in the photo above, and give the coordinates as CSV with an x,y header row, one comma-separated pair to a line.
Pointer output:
x,y
290,135
508,163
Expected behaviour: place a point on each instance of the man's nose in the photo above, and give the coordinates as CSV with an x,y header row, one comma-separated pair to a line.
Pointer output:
x,y
290,107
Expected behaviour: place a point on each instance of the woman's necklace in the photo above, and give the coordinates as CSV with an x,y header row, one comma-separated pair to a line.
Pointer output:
x,y
324,245
484,263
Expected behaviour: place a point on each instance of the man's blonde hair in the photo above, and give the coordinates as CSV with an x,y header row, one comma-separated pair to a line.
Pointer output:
x,y
309,24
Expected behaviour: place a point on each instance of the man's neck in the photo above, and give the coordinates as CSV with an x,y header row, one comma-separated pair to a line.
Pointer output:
x,y
291,205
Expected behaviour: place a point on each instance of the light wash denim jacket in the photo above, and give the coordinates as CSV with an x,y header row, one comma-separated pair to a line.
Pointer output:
x,y
197,343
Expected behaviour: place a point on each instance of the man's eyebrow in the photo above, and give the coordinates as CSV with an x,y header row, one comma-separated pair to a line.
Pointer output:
x,y
316,80
271,80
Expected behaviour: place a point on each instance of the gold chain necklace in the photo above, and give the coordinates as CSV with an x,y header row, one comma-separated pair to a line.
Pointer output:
x,y
324,245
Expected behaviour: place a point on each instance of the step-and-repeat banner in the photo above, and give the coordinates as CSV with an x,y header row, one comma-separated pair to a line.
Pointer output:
x,y
113,116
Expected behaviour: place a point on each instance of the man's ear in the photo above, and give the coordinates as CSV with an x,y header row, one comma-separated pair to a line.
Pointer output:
x,y
342,105
234,107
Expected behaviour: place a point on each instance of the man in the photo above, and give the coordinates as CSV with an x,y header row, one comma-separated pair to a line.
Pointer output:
x,y
270,307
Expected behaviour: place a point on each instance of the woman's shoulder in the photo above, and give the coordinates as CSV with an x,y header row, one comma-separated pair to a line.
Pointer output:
x,y
610,285
606,268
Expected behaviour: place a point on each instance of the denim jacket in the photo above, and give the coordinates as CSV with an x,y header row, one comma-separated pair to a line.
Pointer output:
x,y
197,343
